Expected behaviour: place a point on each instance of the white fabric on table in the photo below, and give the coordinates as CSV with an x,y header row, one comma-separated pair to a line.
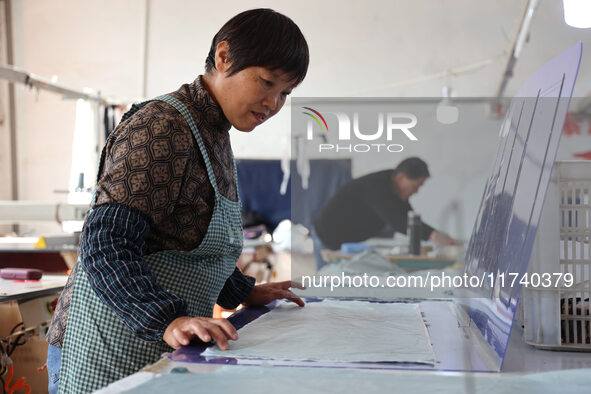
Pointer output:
x,y
347,331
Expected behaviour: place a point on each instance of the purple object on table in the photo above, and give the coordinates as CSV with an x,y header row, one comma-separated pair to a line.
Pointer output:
x,y
21,273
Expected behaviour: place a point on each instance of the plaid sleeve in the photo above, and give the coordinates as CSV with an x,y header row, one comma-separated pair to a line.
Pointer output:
x,y
237,287
113,243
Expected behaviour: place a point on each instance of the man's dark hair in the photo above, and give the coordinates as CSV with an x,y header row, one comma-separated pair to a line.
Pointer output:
x,y
413,168
262,38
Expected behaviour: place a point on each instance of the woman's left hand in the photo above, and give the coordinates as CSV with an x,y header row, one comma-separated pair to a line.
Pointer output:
x,y
263,294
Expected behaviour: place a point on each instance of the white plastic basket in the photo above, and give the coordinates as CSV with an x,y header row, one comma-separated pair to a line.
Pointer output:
x,y
558,317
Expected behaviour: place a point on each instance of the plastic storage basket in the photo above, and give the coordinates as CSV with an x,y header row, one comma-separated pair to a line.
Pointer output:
x,y
557,317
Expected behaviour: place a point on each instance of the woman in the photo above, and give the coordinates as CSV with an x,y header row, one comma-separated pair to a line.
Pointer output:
x,y
160,244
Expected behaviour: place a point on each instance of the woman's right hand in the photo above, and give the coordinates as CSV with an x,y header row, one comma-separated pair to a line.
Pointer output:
x,y
183,329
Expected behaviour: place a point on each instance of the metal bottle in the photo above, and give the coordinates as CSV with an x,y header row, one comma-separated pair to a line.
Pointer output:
x,y
414,233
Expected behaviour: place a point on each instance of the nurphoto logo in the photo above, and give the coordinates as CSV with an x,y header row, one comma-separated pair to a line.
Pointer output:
x,y
389,125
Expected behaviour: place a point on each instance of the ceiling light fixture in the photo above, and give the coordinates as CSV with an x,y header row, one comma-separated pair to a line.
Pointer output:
x,y
577,13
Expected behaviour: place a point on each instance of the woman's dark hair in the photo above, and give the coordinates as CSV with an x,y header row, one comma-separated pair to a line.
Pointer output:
x,y
413,168
262,38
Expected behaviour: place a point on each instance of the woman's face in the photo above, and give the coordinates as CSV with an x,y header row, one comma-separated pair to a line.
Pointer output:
x,y
253,95
249,97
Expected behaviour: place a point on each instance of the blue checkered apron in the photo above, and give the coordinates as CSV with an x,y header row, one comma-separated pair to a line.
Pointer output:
x,y
98,347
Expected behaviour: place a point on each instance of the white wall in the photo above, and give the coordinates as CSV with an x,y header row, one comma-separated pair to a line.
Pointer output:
x,y
357,49
85,44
